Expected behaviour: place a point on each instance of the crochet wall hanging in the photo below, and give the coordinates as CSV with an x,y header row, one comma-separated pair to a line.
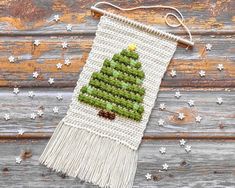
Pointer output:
x,y
98,140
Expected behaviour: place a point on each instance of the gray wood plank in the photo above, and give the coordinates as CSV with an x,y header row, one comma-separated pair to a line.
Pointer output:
x,y
210,164
215,118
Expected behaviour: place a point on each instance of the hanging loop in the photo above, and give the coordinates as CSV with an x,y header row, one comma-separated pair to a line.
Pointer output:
x,y
179,17
181,23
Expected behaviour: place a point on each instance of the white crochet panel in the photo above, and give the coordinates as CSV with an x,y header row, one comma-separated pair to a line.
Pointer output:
x,y
155,53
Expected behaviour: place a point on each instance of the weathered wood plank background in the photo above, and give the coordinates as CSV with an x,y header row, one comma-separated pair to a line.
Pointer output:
x,y
214,115
211,162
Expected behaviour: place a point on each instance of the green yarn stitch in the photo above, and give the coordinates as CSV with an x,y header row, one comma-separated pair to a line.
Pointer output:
x,y
116,91
102,104
124,69
117,83
118,86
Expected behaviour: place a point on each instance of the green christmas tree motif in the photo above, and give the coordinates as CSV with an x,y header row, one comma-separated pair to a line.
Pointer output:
x,y
117,88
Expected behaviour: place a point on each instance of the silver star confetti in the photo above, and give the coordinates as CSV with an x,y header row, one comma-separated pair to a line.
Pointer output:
x,y
182,142
11,59
162,106
35,74
67,61
162,150
33,116
6,117
56,18
220,67
202,73
187,148
181,116
59,65
56,110
219,100
177,94
18,160
69,27
191,102
198,119
148,176
21,131
16,90
173,73
36,43
64,45
40,113
51,81
208,47
165,166
161,122
31,94
59,97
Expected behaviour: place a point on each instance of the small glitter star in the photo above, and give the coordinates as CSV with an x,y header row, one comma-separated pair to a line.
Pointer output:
x,y
51,81
148,176
161,122
187,148
59,65
67,61
69,27
64,45
33,116
36,43
177,94
35,74
59,97
11,59
191,102
202,73
181,116
198,119
18,160
16,90
6,117
56,110
162,150
219,100
21,131
173,73
182,142
208,47
31,94
40,113
220,67
56,18
162,106
165,166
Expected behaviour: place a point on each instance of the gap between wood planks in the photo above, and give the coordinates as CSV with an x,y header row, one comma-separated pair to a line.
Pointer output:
x,y
156,136
93,31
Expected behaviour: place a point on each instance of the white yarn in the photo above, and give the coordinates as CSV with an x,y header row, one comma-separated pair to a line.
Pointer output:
x,y
90,157
155,53
92,148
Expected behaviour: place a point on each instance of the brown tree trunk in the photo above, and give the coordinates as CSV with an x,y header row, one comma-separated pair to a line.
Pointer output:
x,y
107,114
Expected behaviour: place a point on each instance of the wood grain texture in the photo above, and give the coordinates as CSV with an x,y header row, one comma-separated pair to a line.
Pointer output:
x,y
35,16
45,57
217,120
210,164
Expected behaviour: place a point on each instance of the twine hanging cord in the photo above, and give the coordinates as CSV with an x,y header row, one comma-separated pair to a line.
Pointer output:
x,y
179,18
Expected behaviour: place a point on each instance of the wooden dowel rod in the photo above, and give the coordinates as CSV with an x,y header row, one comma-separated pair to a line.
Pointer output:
x,y
168,35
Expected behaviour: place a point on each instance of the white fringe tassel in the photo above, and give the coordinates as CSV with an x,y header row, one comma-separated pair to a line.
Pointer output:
x,y
95,159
